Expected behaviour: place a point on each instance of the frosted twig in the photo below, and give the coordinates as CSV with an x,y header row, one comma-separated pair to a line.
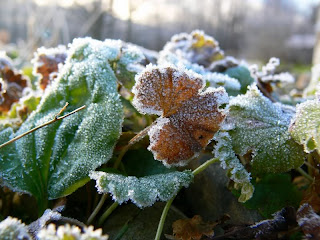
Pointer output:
x,y
55,119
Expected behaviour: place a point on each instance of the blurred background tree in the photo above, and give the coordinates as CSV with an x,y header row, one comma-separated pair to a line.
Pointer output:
x,y
249,29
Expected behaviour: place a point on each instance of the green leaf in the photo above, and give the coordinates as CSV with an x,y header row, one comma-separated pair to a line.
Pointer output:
x,y
143,191
141,163
236,171
127,65
243,75
272,193
305,127
55,160
260,127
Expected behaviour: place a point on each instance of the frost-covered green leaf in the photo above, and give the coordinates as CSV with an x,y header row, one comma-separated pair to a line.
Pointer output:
x,y
68,232
305,127
242,74
12,228
127,64
143,191
55,160
259,127
236,171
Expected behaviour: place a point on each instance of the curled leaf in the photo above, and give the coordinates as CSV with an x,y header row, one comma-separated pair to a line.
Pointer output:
x,y
143,191
189,117
46,62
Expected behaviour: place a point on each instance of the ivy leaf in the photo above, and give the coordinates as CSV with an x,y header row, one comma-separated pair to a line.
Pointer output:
x,y
55,160
305,127
46,62
143,191
260,128
189,117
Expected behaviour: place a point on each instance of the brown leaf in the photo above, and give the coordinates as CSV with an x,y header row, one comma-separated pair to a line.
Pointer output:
x,y
189,116
312,194
192,228
46,64
11,86
196,47
309,221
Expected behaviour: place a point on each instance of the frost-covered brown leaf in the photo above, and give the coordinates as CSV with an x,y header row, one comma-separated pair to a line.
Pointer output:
x,y
46,64
189,116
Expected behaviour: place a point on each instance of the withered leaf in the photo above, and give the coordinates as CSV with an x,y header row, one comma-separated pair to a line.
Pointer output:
x,y
312,194
309,221
189,117
192,228
12,85
46,62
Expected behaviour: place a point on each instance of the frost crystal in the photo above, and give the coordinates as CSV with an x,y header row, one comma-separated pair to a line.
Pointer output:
x,y
12,228
144,191
54,161
305,126
259,127
189,116
70,232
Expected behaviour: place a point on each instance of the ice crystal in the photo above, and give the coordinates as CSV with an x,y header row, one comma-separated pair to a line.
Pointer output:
x,y
260,127
189,117
54,161
305,127
70,232
12,228
143,191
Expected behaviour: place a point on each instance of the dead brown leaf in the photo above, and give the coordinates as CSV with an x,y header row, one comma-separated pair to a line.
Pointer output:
x,y
189,117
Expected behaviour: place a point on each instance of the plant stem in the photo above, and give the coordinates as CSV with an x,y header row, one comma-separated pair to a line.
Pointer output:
x,y
133,140
107,213
97,209
204,166
303,173
163,218
165,211
55,119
